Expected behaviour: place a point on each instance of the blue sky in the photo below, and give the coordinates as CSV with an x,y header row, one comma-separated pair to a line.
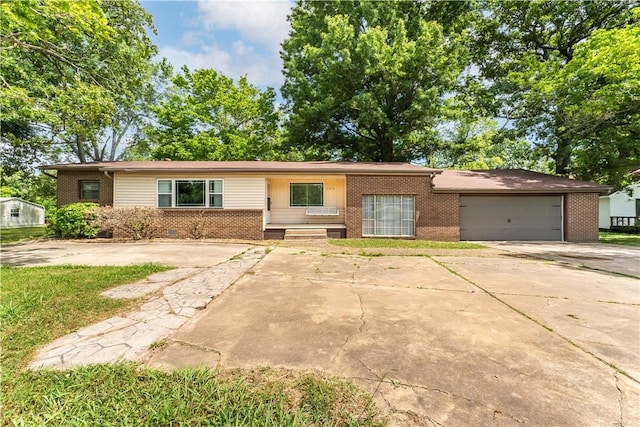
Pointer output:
x,y
235,38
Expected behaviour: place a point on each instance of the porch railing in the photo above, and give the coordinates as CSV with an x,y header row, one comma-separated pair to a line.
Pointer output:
x,y
625,221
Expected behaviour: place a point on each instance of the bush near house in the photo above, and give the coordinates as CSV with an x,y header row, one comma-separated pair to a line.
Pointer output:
x,y
135,223
74,221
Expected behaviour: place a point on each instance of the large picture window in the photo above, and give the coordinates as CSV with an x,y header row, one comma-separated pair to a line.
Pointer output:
x,y
388,215
89,190
190,193
302,195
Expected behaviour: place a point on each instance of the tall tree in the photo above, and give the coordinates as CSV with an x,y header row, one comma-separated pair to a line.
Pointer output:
x,y
524,51
367,80
205,116
68,67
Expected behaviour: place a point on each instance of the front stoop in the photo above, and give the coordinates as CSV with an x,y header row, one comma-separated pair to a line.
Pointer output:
x,y
305,233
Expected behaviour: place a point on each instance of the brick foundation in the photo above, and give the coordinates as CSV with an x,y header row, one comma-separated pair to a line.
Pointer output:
x,y
210,223
68,187
436,214
581,217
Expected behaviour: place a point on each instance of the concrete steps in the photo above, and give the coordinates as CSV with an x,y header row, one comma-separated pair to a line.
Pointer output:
x,y
305,233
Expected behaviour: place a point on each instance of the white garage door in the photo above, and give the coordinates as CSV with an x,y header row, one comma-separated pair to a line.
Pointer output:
x,y
510,217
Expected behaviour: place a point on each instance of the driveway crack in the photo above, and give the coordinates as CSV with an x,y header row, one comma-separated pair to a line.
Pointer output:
x,y
620,400
360,329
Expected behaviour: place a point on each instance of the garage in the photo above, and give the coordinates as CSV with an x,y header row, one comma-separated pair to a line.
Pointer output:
x,y
516,204
511,217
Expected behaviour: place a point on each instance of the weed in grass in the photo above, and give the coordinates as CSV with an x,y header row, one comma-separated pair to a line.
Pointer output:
x,y
158,344
402,244
370,254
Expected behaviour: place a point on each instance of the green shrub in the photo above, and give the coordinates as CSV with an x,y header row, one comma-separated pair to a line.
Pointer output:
x,y
74,221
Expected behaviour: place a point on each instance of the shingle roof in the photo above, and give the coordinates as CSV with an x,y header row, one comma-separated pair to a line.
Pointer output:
x,y
510,181
250,166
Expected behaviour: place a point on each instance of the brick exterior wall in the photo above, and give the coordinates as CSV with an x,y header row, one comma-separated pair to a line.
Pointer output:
x,y
436,214
210,223
68,187
581,217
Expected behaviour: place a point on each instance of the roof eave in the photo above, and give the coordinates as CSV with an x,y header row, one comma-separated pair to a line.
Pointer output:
x,y
521,191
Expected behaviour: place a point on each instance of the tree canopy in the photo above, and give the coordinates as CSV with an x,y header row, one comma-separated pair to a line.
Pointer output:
x,y
538,68
68,68
367,80
205,116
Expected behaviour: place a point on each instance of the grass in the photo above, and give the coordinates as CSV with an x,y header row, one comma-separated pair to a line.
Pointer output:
x,y
39,304
10,235
402,244
620,238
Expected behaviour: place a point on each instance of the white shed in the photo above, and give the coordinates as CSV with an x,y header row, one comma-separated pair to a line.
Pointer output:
x,y
619,204
15,212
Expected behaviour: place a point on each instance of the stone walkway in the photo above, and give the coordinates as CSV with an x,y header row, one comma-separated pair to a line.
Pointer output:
x,y
184,292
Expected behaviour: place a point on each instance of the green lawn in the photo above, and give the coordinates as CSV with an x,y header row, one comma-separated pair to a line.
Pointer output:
x,y
9,235
620,238
402,244
40,304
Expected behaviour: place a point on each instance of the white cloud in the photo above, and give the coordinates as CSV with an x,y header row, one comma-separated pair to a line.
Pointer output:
x,y
261,21
240,59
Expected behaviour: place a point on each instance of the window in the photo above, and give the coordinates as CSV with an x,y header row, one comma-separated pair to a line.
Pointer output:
x,y
89,190
215,193
164,193
388,215
305,195
190,193
15,212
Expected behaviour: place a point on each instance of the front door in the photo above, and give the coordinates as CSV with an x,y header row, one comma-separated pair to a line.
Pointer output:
x,y
268,204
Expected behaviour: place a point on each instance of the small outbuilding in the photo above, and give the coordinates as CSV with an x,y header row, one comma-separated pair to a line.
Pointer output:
x,y
15,212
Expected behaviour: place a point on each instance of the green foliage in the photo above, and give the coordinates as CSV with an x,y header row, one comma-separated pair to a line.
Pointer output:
x,y
205,116
69,69
40,189
599,93
475,144
366,80
555,70
75,221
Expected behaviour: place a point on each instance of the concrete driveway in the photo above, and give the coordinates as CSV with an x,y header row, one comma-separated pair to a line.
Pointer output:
x,y
598,256
481,340
97,252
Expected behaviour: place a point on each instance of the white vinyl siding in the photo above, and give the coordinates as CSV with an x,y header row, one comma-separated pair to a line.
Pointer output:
x,y
137,189
388,215
334,188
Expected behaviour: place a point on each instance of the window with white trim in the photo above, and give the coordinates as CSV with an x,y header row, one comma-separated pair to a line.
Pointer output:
x,y
190,193
306,194
15,212
388,215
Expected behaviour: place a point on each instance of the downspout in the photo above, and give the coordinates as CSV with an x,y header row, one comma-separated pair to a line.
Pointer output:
x,y
44,172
